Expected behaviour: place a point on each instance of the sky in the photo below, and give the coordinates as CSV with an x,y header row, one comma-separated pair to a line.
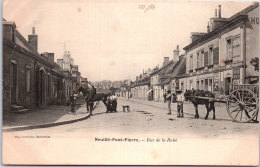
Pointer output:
x,y
114,39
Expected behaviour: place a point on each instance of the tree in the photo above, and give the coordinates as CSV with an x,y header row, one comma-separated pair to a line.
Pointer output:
x,y
255,62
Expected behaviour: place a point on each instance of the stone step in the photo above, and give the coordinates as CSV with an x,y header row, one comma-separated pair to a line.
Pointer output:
x,y
15,107
21,111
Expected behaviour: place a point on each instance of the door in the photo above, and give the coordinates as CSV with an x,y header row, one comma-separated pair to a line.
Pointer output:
x,y
13,75
227,84
210,85
41,87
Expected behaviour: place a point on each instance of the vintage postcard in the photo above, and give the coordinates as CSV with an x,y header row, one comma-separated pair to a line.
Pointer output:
x,y
130,82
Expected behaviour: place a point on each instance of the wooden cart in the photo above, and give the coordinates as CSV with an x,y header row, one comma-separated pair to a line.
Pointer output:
x,y
243,102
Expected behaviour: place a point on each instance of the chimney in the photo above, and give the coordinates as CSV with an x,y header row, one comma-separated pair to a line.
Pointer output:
x,y
196,35
33,39
219,11
51,57
176,53
165,60
208,28
8,30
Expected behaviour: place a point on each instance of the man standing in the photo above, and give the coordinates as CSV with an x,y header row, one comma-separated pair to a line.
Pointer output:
x,y
164,97
73,102
180,100
169,98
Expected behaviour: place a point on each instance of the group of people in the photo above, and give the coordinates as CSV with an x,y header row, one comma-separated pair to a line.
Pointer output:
x,y
111,104
177,97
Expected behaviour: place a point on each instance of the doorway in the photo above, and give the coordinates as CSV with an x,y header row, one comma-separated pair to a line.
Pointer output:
x,y
227,85
13,79
41,87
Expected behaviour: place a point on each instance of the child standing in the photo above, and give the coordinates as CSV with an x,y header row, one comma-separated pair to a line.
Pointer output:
x,y
180,100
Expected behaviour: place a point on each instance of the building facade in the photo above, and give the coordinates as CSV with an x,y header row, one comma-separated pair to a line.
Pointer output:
x,y
222,56
141,86
27,75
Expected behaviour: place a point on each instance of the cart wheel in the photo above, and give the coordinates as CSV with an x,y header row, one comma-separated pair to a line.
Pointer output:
x,y
242,105
255,119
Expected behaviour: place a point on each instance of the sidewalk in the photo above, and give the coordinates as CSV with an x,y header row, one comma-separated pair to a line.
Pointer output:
x,y
188,108
44,117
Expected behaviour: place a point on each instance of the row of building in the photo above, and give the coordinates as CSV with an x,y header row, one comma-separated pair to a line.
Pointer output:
x,y
212,61
32,79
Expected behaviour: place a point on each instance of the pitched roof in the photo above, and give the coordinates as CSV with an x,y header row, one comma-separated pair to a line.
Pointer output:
x,y
163,67
244,11
178,70
21,41
225,24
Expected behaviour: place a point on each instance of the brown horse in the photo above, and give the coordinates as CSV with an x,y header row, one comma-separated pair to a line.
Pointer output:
x,y
90,96
191,96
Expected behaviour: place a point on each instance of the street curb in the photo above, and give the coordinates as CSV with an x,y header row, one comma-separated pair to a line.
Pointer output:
x,y
46,125
218,119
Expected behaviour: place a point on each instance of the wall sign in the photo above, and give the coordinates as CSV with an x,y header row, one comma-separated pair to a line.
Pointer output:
x,y
254,20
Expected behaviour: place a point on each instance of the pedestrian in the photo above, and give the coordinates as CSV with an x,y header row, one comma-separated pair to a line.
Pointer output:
x,y
72,102
180,100
164,97
114,103
168,98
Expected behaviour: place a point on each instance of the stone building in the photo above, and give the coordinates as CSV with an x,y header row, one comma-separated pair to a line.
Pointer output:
x,y
222,56
162,78
27,75
141,86
71,74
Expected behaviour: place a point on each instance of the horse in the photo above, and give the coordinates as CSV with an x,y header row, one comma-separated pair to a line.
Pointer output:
x,y
90,96
88,92
190,96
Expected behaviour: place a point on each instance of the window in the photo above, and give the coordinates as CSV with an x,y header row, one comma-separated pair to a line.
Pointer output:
x,y
206,84
201,58
229,49
236,48
67,91
182,86
198,60
191,84
191,62
48,85
198,84
28,79
210,58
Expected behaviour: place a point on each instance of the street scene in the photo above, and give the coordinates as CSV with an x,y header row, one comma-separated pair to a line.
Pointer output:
x,y
151,118
129,83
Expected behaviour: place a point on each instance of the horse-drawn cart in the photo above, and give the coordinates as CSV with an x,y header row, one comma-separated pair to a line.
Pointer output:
x,y
242,103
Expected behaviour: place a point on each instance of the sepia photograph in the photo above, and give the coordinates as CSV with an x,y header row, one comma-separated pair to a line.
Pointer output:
x,y
130,82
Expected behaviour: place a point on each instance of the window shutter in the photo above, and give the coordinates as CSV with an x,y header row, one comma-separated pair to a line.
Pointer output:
x,y
205,59
216,55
